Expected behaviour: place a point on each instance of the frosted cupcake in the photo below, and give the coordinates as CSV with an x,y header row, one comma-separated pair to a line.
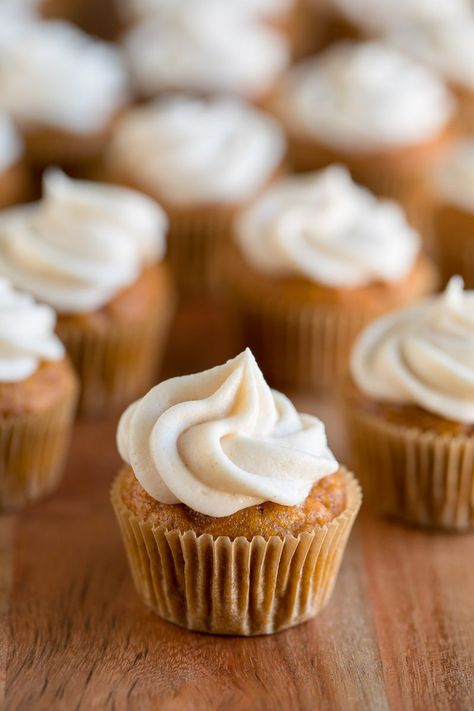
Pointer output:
x,y
411,411
234,512
14,183
38,392
448,47
61,87
319,257
94,253
363,104
454,213
205,48
202,160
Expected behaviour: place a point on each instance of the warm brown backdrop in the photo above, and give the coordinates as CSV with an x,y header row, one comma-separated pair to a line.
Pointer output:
x,y
398,633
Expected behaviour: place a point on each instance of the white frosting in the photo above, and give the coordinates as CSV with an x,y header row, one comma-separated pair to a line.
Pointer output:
x,y
323,227
81,244
194,151
379,15
26,335
423,355
445,46
454,180
52,74
139,9
364,96
221,440
11,147
206,48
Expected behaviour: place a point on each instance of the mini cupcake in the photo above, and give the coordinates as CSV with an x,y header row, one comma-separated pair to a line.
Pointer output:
x,y
447,46
364,104
202,160
62,88
454,213
205,48
234,512
38,392
318,258
13,172
411,411
94,253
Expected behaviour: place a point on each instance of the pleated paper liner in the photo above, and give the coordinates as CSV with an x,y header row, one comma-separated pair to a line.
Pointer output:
x,y
419,477
454,243
239,586
33,449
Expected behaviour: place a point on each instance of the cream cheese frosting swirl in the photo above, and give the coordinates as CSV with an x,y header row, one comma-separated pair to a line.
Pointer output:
x,y
423,355
81,244
207,47
196,150
325,228
26,335
379,15
221,440
54,75
454,181
10,144
138,9
364,97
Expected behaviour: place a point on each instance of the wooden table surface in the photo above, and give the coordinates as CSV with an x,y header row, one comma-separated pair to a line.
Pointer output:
x,y
398,633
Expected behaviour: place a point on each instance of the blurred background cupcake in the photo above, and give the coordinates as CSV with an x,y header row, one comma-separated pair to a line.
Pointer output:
x,y
38,391
14,175
202,160
94,252
318,257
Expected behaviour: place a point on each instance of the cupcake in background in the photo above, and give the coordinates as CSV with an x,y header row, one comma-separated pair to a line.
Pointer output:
x,y
202,160
62,88
319,257
234,512
14,178
454,213
411,411
38,392
94,252
205,48
366,105
447,46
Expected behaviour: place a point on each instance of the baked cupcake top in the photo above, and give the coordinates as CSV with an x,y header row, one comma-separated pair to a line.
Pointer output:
x,y
446,45
81,244
11,148
27,335
364,97
454,181
379,15
136,9
221,441
53,75
323,227
205,47
197,151
423,355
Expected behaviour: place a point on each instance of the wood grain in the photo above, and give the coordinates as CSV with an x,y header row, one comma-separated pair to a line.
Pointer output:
x,y
397,634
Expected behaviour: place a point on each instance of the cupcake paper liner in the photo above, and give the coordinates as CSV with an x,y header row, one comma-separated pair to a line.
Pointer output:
x,y
420,477
116,363
239,587
454,241
33,449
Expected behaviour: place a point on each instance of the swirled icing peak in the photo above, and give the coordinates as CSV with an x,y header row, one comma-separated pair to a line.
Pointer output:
x,y
323,227
423,355
380,15
26,335
221,440
197,150
81,244
54,75
207,47
364,96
